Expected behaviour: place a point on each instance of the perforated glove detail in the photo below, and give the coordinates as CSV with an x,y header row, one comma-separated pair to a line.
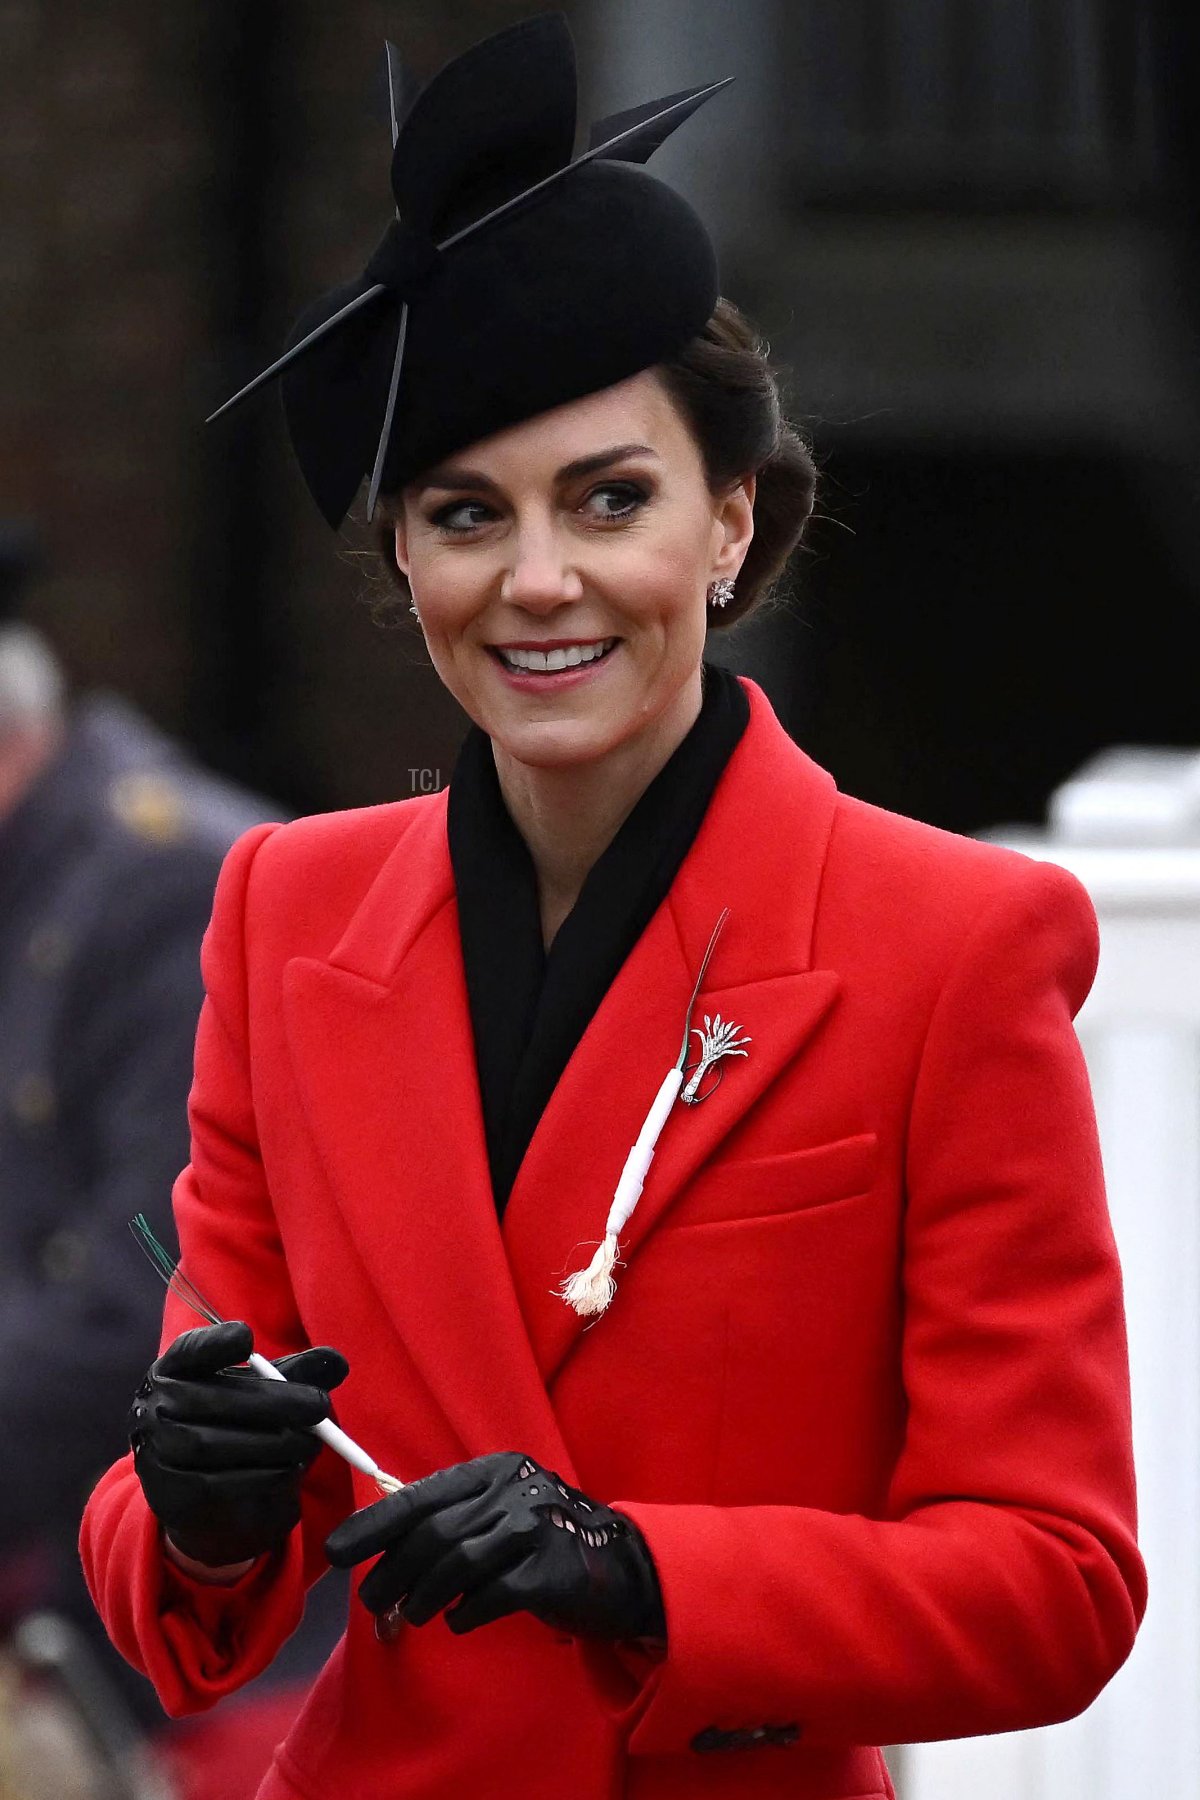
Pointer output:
x,y
220,1451
507,1536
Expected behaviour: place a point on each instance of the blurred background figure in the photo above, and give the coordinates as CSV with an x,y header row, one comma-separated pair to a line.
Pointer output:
x,y
111,837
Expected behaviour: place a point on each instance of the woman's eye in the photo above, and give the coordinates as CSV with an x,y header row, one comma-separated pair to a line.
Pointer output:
x,y
461,515
616,500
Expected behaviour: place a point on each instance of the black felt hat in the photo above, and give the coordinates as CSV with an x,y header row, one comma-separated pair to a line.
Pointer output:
x,y
513,278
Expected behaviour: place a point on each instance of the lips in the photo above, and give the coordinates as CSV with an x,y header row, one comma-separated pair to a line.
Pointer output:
x,y
528,660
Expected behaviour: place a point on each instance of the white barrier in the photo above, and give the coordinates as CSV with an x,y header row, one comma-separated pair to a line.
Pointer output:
x,y
1129,827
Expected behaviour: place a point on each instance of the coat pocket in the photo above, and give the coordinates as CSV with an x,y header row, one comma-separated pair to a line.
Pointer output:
x,y
764,1187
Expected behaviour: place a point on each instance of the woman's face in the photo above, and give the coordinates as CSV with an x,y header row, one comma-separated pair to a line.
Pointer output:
x,y
561,569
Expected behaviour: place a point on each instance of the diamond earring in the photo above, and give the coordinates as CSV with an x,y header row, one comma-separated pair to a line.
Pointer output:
x,y
412,607
720,593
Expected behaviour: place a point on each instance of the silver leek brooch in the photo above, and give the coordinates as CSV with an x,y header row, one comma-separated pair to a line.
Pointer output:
x,y
718,1039
177,1283
590,1290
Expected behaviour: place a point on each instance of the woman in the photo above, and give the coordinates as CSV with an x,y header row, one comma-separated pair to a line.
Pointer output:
x,y
845,1459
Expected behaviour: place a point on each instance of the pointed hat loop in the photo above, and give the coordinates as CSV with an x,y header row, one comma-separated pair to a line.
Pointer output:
x,y
492,121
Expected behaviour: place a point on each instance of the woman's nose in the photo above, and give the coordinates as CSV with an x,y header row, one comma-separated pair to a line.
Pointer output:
x,y
540,576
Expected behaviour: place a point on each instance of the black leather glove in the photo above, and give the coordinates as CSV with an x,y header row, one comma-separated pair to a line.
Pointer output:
x,y
220,1451
509,1537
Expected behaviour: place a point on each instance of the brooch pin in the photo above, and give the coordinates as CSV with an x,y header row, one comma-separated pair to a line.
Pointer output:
x,y
590,1290
718,1039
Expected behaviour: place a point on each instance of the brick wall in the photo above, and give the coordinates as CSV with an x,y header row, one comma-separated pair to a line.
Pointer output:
x,y
101,288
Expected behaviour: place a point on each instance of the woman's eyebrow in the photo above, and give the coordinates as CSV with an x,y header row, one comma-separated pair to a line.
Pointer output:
x,y
590,465
451,479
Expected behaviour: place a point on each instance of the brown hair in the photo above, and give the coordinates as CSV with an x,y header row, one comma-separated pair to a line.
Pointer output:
x,y
727,391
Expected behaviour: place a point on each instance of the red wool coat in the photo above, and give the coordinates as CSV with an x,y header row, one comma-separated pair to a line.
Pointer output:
x,y
863,1386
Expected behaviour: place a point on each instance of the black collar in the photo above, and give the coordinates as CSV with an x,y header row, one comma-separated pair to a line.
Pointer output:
x,y
529,1008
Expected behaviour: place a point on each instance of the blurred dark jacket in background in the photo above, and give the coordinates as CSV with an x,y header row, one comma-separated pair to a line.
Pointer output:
x,y
108,863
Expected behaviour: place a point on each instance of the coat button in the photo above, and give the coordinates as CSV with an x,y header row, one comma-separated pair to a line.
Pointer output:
x,y
713,1738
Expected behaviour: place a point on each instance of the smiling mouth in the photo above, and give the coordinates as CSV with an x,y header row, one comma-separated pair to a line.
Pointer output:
x,y
551,662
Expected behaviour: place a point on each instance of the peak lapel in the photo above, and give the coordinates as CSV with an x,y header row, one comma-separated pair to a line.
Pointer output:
x,y
761,852
381,1041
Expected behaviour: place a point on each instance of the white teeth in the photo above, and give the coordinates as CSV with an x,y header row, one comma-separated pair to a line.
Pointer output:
x,y
545,662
